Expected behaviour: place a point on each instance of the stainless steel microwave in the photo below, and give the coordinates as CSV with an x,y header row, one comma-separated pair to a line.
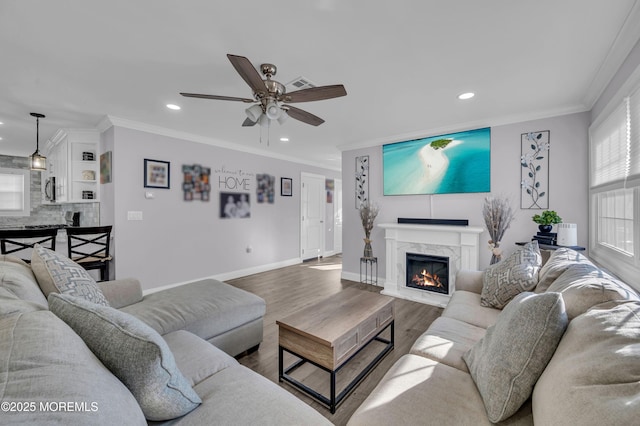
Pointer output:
x,y
50,189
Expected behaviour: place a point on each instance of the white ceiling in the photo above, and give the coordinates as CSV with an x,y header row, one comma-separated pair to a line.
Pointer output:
x,y
402,62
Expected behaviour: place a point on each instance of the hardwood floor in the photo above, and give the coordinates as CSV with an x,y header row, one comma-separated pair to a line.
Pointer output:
x,y
290,289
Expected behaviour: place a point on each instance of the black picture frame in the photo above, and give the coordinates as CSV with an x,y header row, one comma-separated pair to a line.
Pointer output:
x,y
157,174
286,187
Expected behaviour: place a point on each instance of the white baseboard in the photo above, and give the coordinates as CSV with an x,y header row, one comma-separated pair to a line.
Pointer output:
x,y
231,275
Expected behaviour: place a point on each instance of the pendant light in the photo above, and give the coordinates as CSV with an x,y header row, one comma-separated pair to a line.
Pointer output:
x,y
38,162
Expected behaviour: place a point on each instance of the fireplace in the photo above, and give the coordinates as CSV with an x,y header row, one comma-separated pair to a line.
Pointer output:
x,y
461,244
427,272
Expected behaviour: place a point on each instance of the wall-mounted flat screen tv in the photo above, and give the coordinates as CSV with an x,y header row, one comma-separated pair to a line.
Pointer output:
x,y
446,164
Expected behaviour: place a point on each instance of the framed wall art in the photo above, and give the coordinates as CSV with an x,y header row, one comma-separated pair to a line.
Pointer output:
x,y
196,185
157,174
105,167
362,180
534,159
286,187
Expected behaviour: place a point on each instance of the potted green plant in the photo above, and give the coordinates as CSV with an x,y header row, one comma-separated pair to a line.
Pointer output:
x,y
546,220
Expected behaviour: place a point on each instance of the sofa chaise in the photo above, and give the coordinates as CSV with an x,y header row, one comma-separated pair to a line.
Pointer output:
x,y
562,349
104,354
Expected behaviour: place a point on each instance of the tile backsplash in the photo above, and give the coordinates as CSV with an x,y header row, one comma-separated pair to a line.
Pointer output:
x,y
46,214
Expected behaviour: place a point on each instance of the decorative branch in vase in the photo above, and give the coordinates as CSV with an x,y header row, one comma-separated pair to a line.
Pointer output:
x,y
498,214
368,214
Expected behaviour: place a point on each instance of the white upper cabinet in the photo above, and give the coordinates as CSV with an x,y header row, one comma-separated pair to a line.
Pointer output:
x,y
72,157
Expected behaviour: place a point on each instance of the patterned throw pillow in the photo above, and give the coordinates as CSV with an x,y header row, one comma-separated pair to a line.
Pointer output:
x,y
507,362
134,352
517,273
57,273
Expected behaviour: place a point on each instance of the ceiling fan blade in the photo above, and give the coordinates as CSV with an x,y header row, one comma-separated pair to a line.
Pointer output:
x,y
315,94
220,98
248,123
248,73
304,116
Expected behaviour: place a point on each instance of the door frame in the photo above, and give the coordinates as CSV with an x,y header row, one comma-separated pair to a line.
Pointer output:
x,y
304,175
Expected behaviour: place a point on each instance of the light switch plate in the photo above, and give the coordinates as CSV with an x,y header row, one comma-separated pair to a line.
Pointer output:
x,y
134,215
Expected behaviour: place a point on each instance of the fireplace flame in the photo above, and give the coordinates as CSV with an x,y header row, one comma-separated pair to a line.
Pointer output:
x,y
427,279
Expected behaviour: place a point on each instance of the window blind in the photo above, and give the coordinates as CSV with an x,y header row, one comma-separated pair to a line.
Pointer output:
x,y
610,148
634,135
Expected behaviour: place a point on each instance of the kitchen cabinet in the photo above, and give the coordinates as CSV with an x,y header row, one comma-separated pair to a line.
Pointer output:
x,y
72,157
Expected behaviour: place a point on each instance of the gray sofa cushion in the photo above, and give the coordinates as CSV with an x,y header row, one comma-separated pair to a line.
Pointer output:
x,y
594,376
446,340
421,391
559,261
57,273
517,273
583,286
465,306
16,276
134,352
10,303
238,396
42,361
205,308
196,358
506,363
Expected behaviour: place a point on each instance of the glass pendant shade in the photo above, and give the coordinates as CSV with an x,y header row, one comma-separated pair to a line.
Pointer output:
x,y
254,112
38,162
273,111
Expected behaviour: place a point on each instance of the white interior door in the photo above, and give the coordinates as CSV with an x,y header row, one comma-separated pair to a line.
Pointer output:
x,y
337,217
312,219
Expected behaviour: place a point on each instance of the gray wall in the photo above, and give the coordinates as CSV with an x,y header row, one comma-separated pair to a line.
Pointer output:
x,y
567,177
179,241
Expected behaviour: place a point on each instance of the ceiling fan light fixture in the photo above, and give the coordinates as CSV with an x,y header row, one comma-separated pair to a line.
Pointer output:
x,y
38,162
264,121
254,112
283,117
273,110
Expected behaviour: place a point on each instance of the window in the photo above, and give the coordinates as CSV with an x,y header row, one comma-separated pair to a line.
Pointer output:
x,y
615,189
14,192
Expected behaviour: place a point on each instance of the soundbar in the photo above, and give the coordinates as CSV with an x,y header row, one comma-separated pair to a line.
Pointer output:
x,y
450,222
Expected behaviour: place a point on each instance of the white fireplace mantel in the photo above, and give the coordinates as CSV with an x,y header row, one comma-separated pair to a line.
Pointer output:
x,y
460,244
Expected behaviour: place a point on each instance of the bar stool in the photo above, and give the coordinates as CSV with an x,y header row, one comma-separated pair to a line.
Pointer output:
x,y
89,247
13,241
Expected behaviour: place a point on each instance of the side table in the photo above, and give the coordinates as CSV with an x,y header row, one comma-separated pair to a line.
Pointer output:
x,y
369,277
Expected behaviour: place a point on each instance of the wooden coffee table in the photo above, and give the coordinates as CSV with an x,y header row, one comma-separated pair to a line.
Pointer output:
x,y
330,333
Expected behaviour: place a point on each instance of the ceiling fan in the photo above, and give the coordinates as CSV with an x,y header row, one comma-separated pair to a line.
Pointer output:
x,y
271,101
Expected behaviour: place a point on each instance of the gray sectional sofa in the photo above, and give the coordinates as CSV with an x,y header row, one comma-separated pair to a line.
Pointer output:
x,y
163,358
580,348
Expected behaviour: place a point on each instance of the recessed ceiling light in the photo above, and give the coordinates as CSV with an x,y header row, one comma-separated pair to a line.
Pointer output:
x,y
467,95
173,107
0,138
1,123
284,139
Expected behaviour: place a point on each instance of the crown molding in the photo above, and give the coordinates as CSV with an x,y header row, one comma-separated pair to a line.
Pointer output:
x,y
435,131
624,42
112,121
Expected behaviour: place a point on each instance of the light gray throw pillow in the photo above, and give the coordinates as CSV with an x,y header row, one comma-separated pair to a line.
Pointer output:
x,y
506,363
56,273
504,280
133,352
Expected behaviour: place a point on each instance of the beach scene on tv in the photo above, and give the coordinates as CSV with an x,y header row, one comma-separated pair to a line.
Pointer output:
x,y
446,164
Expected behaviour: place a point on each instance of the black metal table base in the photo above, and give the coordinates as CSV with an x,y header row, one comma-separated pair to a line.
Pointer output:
x,y
333,400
